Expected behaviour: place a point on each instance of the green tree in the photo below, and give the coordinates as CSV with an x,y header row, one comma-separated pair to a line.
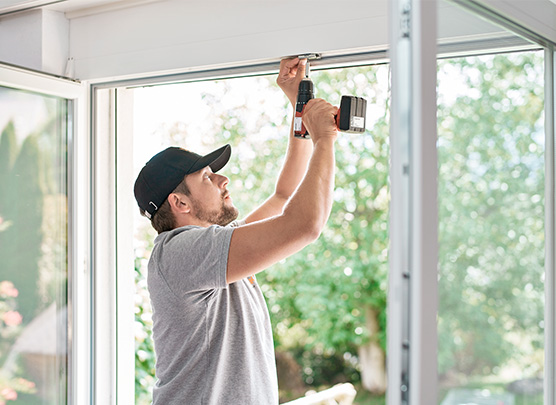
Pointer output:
x,y
20,246
8,153
336,287
491,195
144,352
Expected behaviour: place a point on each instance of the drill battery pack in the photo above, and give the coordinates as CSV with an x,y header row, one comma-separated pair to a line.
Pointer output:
x,y
351,116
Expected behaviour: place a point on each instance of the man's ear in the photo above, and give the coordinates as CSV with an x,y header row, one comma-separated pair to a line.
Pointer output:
x,y
178,204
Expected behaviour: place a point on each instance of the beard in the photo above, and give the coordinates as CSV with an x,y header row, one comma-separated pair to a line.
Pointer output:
x,y
222,217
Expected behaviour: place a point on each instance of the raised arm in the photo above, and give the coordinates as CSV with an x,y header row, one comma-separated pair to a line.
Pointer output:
x,y
298,152
256,246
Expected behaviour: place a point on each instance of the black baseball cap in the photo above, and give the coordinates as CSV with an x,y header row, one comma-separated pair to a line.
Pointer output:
x,y
166,170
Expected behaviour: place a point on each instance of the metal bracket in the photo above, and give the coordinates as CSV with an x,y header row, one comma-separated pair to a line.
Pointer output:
x,y
310,56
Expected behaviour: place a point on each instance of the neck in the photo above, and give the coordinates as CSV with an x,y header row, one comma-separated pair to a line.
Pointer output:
x,y
192,221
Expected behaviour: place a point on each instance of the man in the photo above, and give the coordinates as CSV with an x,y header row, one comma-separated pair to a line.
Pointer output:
x,y
211,330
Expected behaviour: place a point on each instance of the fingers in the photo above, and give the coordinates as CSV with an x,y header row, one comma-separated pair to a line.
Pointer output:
x,y
289,63
319,103
318,117
292,67
286,66
300,68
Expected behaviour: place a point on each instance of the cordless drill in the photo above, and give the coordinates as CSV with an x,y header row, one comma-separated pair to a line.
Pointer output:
x,y
304,94
350,117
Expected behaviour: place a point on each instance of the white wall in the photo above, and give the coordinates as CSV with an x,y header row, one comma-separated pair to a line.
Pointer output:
x,y
176,35
55,42
21,39
36,39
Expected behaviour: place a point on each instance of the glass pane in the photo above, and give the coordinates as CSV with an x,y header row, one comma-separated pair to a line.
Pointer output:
x,y
491,226
33,248
328,302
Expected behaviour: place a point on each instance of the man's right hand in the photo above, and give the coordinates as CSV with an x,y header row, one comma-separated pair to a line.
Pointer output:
x,y
319,117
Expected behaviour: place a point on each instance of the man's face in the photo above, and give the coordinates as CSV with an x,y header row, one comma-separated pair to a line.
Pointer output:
x,y
210,201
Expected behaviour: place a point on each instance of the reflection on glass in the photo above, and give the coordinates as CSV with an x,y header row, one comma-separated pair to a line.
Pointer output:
x,y
33,248
491,229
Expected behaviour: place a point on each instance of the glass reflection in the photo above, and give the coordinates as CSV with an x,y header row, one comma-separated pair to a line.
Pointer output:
x,y
33,248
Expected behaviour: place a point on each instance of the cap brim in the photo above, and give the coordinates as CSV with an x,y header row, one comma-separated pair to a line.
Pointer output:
x,y
216,160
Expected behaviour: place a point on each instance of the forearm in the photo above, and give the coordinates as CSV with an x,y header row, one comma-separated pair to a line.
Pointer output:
x,y
311,204
294,168
258,245
295,165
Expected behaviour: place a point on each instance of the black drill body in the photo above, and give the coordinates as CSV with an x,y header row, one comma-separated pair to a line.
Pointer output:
x,y
304,94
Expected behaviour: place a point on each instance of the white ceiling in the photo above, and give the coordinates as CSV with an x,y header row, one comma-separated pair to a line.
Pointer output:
x,y
72,8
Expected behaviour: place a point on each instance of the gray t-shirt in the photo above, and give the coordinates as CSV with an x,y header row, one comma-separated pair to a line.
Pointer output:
x,y
213,341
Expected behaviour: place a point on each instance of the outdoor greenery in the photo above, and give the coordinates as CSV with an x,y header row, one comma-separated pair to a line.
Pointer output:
x,y
21,177
491,209
33,249
328,302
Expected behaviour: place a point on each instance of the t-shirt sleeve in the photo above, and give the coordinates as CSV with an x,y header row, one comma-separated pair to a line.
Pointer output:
x,y
196,259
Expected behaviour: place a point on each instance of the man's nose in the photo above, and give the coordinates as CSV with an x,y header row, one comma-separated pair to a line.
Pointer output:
x,y
223,181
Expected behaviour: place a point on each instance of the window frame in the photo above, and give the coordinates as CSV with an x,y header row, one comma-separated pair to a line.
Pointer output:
x,y
78,384
550,227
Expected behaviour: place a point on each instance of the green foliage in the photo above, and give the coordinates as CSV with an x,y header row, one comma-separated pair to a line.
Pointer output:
x,y
8,151
33,241
327,286
23,208
365,398
144,351
325,367
491,196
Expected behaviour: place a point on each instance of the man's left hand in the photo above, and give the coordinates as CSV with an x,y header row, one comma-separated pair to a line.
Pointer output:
x,y
291,73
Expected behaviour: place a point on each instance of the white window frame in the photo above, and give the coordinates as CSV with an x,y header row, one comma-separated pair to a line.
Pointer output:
x,y
550,228
113,288
412,296
78,218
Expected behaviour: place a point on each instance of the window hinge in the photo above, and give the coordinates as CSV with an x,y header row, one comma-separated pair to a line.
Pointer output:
x,y
405,21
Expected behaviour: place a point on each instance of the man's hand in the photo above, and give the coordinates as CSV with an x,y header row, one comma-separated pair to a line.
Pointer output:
x,y
319,119
291,73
